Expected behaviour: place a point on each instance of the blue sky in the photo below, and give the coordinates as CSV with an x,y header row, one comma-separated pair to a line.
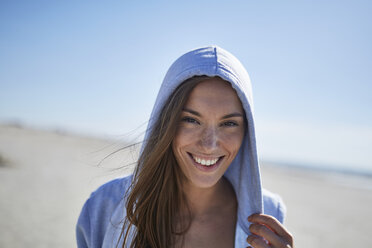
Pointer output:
x,y
95,67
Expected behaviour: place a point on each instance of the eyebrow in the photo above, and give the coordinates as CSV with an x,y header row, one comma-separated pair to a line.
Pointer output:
x,y
235,114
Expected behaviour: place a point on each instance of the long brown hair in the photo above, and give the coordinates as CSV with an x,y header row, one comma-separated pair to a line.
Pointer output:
x,y
156,198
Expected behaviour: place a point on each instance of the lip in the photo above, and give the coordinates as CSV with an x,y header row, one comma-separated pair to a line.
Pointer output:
x,y
204,167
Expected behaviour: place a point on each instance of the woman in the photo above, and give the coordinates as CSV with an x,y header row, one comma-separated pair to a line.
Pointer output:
x,y
197,181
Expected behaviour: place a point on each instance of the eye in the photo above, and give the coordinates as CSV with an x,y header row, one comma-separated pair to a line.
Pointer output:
x,y
189,120
230,124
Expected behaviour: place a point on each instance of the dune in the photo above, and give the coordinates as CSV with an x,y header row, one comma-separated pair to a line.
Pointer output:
x,y
324,209
46,177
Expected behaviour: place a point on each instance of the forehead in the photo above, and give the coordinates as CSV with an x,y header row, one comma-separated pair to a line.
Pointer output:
x,y
214,92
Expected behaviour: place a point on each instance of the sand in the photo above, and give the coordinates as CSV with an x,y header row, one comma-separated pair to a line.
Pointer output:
x,y
46,176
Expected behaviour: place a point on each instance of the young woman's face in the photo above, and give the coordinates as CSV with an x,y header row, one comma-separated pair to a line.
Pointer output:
x,y
210,132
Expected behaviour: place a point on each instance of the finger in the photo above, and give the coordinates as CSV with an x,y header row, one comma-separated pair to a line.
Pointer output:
x,y
257,242
268,235
273,224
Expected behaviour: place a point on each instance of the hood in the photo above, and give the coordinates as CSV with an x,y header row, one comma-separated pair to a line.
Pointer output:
x,y
243,173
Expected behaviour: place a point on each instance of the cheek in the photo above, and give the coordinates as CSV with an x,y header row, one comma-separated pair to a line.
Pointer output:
x,y
233,140
184,136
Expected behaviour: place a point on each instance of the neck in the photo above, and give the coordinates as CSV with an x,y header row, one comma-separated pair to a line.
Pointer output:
x,y
206,200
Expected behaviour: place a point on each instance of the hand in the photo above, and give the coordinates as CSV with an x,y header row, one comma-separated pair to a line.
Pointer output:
x,y
268,232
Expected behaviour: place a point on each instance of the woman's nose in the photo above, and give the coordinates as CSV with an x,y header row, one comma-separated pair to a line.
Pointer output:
x,y
209,139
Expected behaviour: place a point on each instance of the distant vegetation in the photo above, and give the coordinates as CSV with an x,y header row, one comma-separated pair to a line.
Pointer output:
x,y
3,161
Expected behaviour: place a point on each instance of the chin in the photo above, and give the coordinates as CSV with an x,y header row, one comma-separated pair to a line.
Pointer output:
x,y
205,183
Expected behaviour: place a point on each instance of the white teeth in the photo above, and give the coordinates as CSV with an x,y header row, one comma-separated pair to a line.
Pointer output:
x,y
205,162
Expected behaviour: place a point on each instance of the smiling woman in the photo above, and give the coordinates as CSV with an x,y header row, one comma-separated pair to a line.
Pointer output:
x,y
210,133
197,180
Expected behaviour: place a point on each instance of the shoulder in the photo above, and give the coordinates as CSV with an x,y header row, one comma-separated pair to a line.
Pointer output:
x,y
111,192
96,213
106,198
273,205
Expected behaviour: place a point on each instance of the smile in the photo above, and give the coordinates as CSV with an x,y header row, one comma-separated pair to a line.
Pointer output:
x,y
203,161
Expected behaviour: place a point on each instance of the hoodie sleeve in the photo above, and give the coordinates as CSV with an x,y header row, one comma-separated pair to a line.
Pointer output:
x,y
83,227
274,205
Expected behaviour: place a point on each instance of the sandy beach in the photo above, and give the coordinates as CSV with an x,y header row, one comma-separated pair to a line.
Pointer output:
x,y
46,176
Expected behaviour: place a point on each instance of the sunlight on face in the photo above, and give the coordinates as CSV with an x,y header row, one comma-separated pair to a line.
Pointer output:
x,y
210,132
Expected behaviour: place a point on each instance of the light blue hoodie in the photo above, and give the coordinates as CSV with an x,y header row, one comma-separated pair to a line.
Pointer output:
x,y
102,216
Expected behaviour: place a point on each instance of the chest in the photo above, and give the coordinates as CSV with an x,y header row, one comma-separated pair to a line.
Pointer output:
x,y
211,231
